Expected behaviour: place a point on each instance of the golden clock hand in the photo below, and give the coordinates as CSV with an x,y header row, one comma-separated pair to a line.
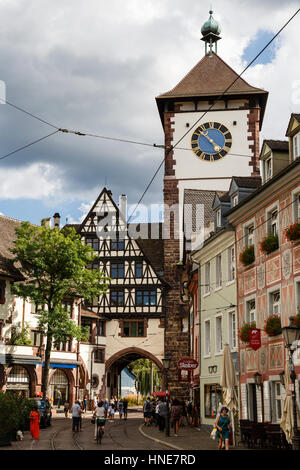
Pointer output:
x,y
216,147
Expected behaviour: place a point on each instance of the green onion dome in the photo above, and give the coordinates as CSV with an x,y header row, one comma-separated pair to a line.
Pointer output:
x,y
211,26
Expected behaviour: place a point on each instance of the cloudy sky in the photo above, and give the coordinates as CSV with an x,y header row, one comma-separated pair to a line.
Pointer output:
x,y
96,67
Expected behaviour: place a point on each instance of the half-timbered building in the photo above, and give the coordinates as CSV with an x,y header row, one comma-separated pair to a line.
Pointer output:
x,y
127,321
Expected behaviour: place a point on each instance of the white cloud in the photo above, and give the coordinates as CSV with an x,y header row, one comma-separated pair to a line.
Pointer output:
x,y
97,67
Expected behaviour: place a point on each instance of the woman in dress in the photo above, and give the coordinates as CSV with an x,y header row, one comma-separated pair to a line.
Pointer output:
x,y
35,423
223,425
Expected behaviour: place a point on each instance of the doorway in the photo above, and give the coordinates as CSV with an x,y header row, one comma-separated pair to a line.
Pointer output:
x,y
59,388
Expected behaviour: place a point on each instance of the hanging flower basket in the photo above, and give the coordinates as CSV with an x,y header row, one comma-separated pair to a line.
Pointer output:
x,y
247,256
273,325
293,232
270,243
245,331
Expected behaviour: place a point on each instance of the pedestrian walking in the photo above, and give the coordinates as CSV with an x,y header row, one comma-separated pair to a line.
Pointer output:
x,y
85,404
58,393
35,423
120,409
223,425
125,407
147,412
76,413
162,414
156,414
176,412
66,408
111,411
106,406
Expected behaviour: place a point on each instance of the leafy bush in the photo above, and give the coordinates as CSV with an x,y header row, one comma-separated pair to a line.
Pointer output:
x,y
247,256
270,243
21,338
14,414
245,331
273,325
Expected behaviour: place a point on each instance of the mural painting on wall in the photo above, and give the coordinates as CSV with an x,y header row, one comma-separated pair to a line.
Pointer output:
x,y
249,281
276,356
273,269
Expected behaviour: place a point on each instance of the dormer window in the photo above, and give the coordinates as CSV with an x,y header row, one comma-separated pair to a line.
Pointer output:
x,y
296,146
219,218
268,169
235,200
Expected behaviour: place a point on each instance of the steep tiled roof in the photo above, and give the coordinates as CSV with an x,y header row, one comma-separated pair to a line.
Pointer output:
x,y
211,76
7,237
194,197
248,181
278,145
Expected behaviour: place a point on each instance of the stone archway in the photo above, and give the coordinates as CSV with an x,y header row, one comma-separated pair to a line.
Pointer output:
x,y
132,351
117,362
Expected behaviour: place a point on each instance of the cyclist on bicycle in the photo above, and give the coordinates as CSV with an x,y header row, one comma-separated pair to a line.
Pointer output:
x,y
98,413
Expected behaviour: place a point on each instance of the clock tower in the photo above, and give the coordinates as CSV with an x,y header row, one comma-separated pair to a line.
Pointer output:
x,y
211,120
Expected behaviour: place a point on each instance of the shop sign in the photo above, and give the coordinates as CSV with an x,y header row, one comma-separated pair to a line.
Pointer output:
x,y
254,338
187,363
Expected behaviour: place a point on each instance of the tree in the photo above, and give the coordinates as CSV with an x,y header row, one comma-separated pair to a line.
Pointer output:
x,y
54,264
141,368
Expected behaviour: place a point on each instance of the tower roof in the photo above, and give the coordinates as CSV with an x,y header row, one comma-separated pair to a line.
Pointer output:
x,y
211,26
210,77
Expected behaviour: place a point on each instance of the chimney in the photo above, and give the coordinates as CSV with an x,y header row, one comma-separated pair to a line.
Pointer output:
x,y
56,220
123,206
45,222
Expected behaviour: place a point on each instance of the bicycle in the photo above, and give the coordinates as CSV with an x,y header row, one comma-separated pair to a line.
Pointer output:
x,y
100,429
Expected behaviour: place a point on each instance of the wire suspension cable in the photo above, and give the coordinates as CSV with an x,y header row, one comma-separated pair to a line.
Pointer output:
x,y
28,145
201,117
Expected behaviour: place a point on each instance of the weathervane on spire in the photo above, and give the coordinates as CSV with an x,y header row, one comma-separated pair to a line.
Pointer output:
x,y
211,33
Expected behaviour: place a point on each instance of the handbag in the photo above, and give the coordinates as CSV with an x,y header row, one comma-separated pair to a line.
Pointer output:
x,y
93,420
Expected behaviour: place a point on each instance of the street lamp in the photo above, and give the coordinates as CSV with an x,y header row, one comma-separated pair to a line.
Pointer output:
x,y
166,364
291,334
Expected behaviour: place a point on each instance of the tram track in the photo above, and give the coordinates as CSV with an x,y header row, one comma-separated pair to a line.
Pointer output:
x,y
53,439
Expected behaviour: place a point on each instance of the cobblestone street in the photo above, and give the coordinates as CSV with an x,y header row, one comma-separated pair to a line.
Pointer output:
x,y
119,435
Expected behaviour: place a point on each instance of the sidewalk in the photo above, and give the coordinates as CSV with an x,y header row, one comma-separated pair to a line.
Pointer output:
x,y
188,438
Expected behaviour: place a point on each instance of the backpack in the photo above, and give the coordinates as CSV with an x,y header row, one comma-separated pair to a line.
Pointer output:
x,y
147,406
176,412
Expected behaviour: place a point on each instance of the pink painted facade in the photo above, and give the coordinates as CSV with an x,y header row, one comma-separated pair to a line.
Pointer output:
x,y
270,285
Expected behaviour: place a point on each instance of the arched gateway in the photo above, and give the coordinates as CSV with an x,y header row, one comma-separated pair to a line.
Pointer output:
x,y
119,361
127,321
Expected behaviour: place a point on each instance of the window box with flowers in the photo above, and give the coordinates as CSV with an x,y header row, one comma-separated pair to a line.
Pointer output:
x,y
245,331
269,243
297,320
247,256
293,232
273,325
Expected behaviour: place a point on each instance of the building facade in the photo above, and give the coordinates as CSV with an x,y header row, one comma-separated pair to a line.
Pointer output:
x,y
270,284
211,121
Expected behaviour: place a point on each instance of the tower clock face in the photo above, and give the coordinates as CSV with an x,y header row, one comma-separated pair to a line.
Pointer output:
x,y
211,141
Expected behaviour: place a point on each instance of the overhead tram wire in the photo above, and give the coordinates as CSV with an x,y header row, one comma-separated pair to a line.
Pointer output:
x,y
225,91
28,145
29,114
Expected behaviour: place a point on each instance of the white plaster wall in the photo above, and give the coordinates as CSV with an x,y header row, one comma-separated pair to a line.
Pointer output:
x,y
188,165
153,343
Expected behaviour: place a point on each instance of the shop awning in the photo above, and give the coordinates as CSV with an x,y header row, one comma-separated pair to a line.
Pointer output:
x,y
64,364
19,359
